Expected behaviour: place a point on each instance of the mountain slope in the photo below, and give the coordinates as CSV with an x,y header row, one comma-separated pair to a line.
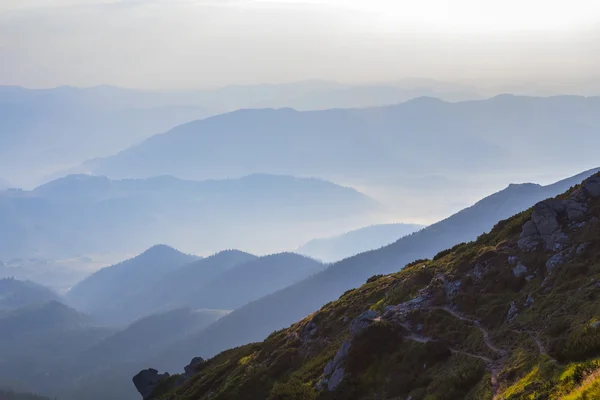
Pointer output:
x,y
512,315
38,342
16,294
358,241
82,214
253,280
106,291
180,287
256,320
377,144
147,334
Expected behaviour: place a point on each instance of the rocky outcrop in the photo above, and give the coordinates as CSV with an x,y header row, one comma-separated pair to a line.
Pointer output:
x,y
556,261
545,228
146,381
334,372
361,322
592,187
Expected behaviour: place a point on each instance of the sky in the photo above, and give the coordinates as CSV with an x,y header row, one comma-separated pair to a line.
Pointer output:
x,y
199,43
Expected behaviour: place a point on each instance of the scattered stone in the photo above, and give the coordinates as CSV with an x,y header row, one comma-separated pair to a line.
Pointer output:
x,y
513,260
582,248
555,261
479,271
529,277
361,322
512,311
594,325
519,270
451,288
339,357
529,301
336,379
146,381
309,331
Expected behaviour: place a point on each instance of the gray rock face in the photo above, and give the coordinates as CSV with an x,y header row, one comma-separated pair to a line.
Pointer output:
x,y
544,217
544,228
452,288
361,322
582,248
340,356
519,270
556,261
146,381
529,301
592,187
336,379
512,311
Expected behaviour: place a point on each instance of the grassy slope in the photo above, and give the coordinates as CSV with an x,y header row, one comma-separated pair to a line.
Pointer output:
x,y
455,341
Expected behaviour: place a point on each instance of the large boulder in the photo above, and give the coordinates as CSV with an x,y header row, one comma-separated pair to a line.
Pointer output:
x,y
146,381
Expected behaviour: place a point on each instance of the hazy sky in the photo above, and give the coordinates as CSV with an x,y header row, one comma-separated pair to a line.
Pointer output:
x,y
193,43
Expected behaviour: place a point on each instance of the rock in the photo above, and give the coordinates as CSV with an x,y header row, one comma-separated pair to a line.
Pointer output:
x,y
361,322
530,237
309,331
194,366
146,381
512,311
529,301
339,357
544,217
592,186
336,379
451,288
544,226
479,271
575,210
594,325
555,261
529,277
582,248
513,260
557,242
519,270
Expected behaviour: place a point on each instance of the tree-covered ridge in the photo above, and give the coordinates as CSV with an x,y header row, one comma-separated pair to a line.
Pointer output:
x,y
513,315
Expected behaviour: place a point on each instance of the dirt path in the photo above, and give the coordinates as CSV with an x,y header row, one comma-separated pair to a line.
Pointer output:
x,y
495,367
539,344
484,332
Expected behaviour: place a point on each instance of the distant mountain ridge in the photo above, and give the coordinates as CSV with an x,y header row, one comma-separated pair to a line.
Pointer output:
x,y
379,144
45,131
16,294
83,214
348,244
